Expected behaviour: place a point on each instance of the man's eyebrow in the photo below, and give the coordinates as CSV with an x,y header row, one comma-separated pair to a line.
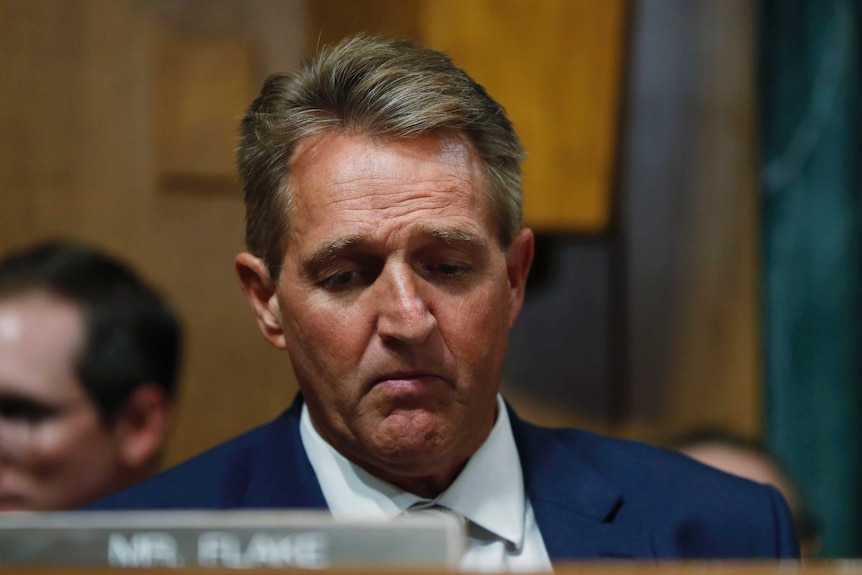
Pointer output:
x,y
451,235
327,252
14,401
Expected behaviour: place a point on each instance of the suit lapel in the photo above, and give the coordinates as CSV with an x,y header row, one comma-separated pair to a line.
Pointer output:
x,y
574,506
282,475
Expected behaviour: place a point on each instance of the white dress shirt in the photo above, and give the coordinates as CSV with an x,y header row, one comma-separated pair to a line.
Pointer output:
x,y
489,494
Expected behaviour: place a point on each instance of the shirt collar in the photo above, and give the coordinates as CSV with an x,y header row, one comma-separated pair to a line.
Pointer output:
x,y
489,490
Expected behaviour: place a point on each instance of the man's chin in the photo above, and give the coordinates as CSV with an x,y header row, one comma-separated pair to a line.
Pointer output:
x,y
414,445
412,432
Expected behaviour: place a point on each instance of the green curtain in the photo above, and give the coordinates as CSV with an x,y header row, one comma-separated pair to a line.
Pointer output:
x,y
809,99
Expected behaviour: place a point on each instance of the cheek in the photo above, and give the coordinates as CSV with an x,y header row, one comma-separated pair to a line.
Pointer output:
x,y
324,341
72,466
73,450
55,462
477,330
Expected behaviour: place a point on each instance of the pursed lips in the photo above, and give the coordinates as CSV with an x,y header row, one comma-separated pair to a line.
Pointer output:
x,y
405,376
407,379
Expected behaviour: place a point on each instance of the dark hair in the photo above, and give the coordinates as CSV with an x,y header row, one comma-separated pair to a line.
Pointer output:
x,y
132,336
380,87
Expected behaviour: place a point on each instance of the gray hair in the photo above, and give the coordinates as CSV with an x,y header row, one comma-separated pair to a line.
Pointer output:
x,y
381,87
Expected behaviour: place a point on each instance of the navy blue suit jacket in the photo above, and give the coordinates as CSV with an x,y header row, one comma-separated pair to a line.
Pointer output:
x,y
592,496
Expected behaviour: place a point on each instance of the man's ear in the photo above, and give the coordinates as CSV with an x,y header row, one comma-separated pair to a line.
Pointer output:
x,y
142,427
262,294
519,258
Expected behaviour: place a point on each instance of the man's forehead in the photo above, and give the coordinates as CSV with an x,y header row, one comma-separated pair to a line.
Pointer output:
x,y
343,180
10,326
40,337
339,157
448,144
39,314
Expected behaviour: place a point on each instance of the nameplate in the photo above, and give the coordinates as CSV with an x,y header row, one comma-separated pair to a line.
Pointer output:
x,y
229,539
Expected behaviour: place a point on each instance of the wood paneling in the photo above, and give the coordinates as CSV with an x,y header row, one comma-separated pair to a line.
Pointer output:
x,y
202,85
330,20
716,372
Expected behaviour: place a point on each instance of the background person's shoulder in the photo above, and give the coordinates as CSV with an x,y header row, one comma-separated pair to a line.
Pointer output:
x,y
218,478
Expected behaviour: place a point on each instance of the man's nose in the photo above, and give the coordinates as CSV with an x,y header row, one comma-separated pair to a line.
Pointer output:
x,y
404,314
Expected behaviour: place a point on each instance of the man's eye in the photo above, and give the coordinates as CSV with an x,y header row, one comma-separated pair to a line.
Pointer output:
x,y
449,270
14,409
340,280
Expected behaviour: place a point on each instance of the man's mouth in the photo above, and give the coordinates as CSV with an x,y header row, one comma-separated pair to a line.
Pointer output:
x,y
407,381
406,376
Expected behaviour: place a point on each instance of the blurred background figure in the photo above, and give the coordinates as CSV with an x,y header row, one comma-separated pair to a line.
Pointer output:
x,y
739,456
89,356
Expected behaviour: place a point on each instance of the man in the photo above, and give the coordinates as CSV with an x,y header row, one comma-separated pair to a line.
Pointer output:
x,y
88,366
387,256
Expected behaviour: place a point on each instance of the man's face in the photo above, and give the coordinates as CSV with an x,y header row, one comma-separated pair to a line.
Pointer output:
x,y
395,301
54,451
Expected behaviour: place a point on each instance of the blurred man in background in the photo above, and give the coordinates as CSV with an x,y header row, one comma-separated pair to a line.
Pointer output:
x,y
89,356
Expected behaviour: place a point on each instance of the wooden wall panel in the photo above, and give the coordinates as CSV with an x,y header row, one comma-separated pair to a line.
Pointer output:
x,y
328,21
38,117
716,372
201,87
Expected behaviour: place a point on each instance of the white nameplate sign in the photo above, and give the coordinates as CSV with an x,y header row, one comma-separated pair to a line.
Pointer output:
x,y
233,539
